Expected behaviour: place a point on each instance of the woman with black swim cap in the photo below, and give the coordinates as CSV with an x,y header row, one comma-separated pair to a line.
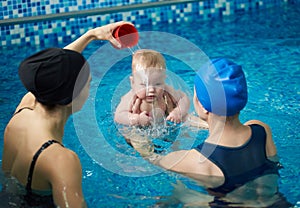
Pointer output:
x,y
58,83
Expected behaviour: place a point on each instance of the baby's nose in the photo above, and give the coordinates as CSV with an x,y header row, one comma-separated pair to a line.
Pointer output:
x,y
151,88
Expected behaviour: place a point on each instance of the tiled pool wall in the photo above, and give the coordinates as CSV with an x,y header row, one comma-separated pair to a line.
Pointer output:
x,y
48,22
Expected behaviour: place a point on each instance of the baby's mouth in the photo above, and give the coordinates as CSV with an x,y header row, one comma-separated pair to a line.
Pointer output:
x,y
150,97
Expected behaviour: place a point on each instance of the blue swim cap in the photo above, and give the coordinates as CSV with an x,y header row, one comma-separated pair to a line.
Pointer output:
x,y
221,87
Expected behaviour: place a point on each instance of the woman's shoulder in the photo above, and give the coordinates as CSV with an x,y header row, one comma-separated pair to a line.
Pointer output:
x,y
60,161
61,154
28,102
258,122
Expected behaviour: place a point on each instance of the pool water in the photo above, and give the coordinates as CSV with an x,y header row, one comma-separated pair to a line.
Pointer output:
x,y
266,43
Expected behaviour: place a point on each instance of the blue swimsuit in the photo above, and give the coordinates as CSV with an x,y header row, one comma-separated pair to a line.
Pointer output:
x,y
240,164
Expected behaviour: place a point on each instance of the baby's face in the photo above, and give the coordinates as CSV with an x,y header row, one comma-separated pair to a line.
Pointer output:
x,y
149,85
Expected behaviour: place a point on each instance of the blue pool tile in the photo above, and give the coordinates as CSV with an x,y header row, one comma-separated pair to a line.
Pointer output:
x,y
208,9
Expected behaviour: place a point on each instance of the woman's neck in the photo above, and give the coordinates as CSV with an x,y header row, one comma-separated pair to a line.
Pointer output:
x,y
227,131
54,119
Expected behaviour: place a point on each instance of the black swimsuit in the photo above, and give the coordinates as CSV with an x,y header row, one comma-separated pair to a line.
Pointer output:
x,y
34,159
32,199
240,164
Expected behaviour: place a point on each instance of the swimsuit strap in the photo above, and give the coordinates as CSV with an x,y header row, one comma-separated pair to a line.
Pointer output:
x,y
34,159
21,110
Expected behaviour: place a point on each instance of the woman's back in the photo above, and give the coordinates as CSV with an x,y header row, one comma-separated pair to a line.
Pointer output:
x,y
21,142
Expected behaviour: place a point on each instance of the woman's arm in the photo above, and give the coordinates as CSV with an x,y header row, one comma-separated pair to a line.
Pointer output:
x,y
65,177
99,33
195,121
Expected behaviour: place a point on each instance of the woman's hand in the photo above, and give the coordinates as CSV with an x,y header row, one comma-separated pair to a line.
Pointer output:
x,y
98,33
105,32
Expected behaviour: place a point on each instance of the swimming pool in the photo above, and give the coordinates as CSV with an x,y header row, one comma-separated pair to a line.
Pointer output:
x,y
265,43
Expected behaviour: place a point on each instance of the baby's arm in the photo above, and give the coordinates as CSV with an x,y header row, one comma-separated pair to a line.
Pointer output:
x,y
128,111
122,113
179,113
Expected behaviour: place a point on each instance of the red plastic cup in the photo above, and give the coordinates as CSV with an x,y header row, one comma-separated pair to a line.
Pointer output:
x,y
127,35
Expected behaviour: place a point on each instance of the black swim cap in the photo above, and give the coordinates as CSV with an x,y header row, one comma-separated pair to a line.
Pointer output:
x,y
51,75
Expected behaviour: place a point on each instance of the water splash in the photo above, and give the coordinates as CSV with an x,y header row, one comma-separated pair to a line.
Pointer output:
x,y
134,48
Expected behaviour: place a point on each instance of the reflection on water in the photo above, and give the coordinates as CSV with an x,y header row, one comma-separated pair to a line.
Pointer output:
x,y
261,192
266,43
157,137
13,194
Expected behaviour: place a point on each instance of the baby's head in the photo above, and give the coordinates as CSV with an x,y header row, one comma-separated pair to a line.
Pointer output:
x,y
148,73
148,60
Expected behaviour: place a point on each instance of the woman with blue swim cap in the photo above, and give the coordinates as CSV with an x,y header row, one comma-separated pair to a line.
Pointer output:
x,y
234,153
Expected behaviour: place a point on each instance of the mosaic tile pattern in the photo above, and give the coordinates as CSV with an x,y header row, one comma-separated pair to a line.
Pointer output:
x,y
25,8
53,32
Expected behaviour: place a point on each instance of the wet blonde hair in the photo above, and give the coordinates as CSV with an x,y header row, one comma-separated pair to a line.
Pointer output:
x,y
148,59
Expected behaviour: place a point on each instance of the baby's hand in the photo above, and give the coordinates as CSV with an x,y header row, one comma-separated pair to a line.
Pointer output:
x,y
175,116
136,105
144,119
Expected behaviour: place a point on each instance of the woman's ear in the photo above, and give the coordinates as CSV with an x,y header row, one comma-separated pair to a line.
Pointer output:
x,y
198,106
201,107
204,110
